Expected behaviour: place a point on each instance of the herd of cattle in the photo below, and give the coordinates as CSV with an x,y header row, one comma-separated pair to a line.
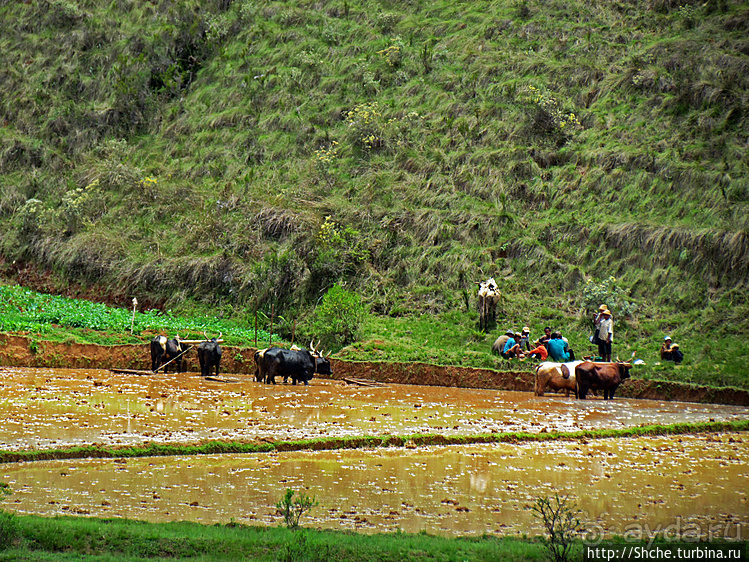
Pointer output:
x,y
296,364
300,365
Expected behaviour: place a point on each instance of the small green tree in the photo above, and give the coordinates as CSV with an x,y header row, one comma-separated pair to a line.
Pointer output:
x,y
562,524
608,292
339,317
292,508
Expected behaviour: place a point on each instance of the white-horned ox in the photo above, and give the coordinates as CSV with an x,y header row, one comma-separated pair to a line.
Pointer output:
x,y
600,376
165,351
551,376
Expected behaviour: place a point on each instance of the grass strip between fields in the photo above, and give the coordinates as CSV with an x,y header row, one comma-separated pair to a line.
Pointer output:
x,y
361,442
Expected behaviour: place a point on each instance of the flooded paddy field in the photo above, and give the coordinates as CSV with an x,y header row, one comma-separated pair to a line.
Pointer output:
x,y
55,408
686,486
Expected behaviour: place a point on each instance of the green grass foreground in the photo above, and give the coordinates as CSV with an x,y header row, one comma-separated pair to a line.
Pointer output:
x,y
331,443
71,538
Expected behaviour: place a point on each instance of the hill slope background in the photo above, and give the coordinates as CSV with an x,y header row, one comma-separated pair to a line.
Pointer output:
x,y
237,156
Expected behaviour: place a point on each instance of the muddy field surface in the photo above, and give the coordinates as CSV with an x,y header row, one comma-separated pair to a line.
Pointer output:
x,y
685,487
56,408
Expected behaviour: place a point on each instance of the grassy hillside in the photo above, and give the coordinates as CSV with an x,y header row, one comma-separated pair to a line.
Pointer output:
x,y
245,155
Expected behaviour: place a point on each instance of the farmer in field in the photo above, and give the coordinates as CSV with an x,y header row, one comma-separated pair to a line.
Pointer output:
x,y
670,351
605,335
559,350
544,340
525,339
512,348
539,352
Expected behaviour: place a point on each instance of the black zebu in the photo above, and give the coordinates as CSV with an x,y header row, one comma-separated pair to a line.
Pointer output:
x,y
297,364
209,355
164,350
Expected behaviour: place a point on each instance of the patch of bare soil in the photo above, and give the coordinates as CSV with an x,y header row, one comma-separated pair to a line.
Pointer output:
x,y
19,351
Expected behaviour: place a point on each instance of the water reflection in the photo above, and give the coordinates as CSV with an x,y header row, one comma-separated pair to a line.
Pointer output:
x,y
622,485
45,408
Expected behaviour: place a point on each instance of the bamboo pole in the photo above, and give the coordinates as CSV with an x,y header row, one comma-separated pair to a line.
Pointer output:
x,y
270,332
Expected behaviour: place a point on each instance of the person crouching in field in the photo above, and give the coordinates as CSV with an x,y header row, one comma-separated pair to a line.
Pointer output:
x,y
539,352
559,350
512,348
670,351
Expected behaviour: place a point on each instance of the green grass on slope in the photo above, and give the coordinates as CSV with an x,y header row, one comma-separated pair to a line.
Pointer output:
x,y
192,152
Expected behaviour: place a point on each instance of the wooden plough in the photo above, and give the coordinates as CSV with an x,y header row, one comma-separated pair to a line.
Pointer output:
x,y
363,382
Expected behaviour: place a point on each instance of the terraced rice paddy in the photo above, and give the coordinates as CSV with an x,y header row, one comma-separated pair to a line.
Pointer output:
x,y
695,485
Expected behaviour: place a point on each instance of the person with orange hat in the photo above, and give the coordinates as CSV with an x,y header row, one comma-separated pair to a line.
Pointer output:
x,y
605,334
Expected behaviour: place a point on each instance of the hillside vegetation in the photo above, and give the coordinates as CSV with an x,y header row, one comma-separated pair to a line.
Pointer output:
x,y
234,156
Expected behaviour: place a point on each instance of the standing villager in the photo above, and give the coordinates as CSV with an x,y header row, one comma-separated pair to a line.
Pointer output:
x,y
597,323
605,335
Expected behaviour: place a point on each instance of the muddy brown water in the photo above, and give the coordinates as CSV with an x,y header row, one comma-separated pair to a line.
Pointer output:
x,y
690,485
686,486
53,408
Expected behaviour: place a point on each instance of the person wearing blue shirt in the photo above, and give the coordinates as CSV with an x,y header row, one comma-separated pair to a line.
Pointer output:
x,y
558,348
512,348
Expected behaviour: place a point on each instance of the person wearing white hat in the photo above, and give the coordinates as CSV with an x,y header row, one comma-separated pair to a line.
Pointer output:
x,y
525,339
670,351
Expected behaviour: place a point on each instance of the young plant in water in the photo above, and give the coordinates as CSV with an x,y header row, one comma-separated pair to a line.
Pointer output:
x,y
292,508
562,525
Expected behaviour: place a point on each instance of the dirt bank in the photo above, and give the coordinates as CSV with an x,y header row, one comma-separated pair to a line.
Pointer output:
x,y
20,351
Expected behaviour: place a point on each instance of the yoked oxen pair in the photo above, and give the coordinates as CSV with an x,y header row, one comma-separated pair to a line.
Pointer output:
x,y
598,376
298,364
165,351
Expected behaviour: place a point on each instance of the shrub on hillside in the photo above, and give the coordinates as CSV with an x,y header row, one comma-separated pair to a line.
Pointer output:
x,y
339,317
608,292
548,118
341,251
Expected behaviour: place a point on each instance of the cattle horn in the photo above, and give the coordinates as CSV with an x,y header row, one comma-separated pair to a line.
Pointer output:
x,y
219,335
206,335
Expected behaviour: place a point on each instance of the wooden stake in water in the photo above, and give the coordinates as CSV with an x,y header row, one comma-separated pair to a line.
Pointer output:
x,y
135,306
270,332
